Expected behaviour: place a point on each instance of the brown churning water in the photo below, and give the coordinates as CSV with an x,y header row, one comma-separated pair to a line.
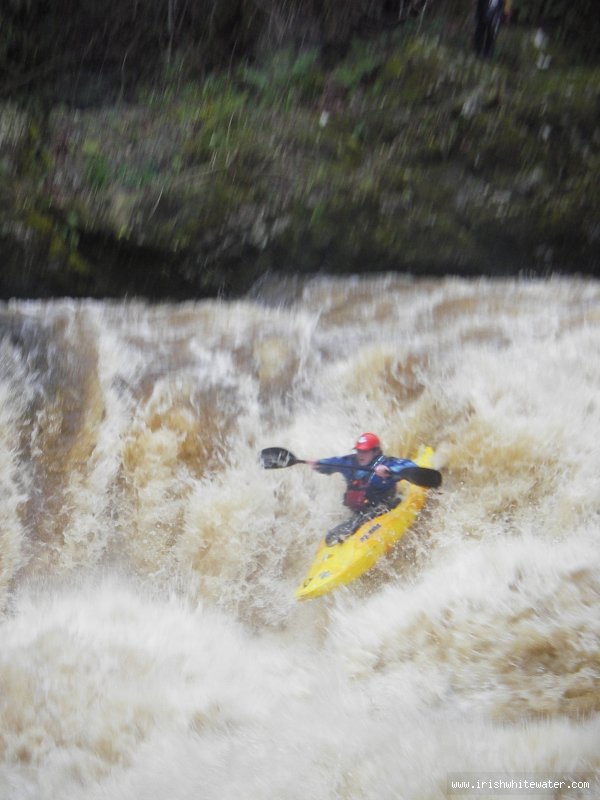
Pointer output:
x,y
151,644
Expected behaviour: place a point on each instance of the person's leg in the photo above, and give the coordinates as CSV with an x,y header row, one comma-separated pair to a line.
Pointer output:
x,y
350,526
343,530
479,38
490,38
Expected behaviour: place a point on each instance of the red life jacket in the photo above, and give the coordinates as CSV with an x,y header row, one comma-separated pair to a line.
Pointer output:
x,y
355,496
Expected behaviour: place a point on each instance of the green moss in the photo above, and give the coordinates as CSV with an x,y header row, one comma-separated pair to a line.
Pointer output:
x,y
286,77
40,223
61,236
497,142
97,171
76,263
393,68
32,158
361,65
58,247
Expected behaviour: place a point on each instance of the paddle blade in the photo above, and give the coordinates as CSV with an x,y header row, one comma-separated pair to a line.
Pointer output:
x,y
422,476
278,458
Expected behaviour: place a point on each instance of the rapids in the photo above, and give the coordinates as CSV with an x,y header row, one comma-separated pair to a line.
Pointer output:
x,y
151,645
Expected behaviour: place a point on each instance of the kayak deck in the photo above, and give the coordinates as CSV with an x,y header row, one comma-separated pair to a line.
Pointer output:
x,y
344,562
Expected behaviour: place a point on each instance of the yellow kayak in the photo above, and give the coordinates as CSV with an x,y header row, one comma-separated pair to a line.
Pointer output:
x,y
342,563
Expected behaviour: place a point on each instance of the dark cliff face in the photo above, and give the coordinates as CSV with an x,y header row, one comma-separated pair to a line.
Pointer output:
x,y
405,152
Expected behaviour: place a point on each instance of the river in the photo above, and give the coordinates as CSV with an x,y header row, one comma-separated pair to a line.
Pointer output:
x,y
152,647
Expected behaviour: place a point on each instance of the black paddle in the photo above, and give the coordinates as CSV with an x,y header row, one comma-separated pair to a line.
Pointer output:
x,y
279,457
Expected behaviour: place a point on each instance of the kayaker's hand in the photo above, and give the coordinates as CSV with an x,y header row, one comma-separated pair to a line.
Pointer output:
x,y
382,471
312,463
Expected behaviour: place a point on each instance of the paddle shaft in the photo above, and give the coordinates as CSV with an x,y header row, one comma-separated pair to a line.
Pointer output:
x,y
279,458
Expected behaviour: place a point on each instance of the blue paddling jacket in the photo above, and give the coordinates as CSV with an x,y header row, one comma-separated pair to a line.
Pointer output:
x,y
363,487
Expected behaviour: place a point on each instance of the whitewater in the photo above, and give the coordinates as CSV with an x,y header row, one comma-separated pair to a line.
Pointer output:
x,y
151,644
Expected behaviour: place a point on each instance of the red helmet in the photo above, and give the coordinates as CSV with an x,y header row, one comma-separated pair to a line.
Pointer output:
x,y
368,441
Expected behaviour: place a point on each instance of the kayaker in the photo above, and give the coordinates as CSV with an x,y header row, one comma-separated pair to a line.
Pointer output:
x,y
371,480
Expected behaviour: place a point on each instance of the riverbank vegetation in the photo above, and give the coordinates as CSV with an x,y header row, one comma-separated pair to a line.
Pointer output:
x,y
301,142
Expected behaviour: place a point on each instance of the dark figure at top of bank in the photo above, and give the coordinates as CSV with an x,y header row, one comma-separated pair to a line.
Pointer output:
x,y
488,16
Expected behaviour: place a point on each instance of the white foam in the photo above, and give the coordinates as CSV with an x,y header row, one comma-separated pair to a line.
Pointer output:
x,y
152,646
